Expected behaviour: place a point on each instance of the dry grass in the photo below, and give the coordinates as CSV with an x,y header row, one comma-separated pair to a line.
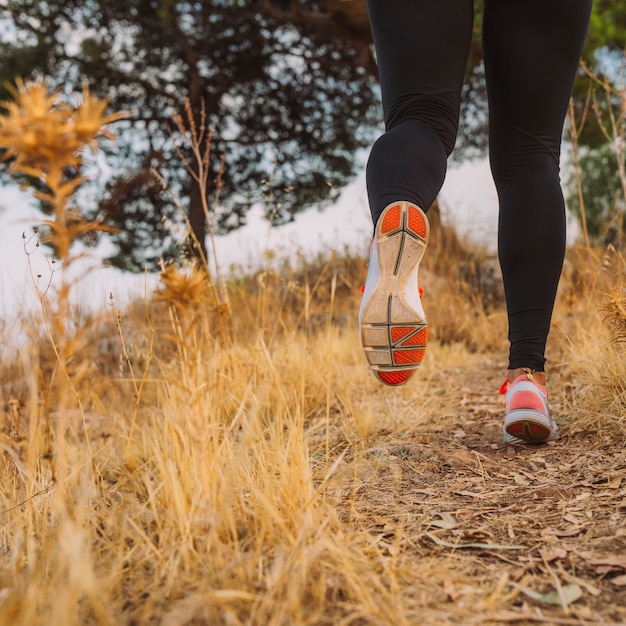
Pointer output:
x,y
208,458
261,476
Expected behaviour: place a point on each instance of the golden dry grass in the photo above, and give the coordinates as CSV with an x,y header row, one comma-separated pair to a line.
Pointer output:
x,y
206,458
256,473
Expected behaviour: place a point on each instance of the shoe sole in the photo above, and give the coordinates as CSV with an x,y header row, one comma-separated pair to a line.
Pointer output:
x,y
393,334
528,429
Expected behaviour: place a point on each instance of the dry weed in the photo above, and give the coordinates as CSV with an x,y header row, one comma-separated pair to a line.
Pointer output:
x,y
271,480
261,475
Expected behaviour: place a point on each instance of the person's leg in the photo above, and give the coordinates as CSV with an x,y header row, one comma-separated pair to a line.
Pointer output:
x,y
531,50
421,49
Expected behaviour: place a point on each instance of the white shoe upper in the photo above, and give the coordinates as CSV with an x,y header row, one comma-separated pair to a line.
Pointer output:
x,y
528,413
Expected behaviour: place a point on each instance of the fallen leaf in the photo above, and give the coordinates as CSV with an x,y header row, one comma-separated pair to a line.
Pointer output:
x,y
594,591
569,594
619,581
612,561
520,480
470,494
557,493
511,531
446,521
570,532
528,475
552,554
484,546
458,458
393,549
450,590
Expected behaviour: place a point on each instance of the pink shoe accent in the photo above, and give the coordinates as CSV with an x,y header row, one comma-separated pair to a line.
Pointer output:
x,y
527,416
526,400
523,378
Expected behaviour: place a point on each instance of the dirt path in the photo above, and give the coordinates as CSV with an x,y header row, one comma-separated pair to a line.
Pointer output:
x,y
481,532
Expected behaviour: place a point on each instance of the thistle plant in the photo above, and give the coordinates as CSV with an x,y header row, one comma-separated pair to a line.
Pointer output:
x,y
46,139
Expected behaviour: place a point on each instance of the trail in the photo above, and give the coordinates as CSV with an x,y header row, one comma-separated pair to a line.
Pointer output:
x,y
490,533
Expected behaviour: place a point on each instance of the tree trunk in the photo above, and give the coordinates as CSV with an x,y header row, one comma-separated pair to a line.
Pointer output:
x,y
197,224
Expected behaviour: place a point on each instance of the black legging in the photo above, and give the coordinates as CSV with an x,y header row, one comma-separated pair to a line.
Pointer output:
x,y
531,51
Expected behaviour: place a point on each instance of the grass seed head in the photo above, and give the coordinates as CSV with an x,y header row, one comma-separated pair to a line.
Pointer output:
x,y
183,290
615,312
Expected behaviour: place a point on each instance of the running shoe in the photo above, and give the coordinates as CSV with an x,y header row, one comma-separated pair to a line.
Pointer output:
x,y
393,326
527,418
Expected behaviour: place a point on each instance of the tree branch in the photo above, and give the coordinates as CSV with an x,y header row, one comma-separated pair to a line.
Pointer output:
x,y
343,20
296,15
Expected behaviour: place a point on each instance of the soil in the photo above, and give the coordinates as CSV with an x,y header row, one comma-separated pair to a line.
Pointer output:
x,y
512,534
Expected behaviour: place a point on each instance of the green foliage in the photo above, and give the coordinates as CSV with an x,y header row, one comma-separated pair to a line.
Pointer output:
x,y
607,28
602,193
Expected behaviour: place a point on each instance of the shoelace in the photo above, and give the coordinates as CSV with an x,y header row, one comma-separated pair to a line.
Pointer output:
x,y
419,289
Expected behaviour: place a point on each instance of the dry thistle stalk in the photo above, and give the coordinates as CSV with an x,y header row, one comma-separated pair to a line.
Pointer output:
x,y
195,309
45,138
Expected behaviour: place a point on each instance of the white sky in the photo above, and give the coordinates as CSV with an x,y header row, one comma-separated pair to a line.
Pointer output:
x,y
468,201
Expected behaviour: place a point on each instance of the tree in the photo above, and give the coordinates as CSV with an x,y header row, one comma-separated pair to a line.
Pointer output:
x,y
289,86
290,107
347,20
